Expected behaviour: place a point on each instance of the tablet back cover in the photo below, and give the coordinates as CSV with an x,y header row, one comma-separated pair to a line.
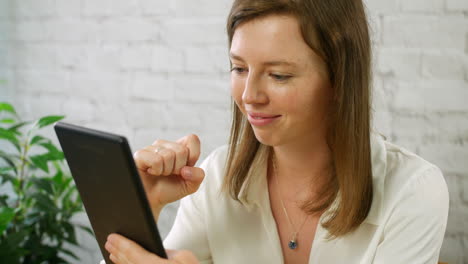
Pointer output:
x,y
107,180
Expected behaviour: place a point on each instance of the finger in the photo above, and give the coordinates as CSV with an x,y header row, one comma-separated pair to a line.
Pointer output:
x,y
192,142
168,157
181,154
125,251
194,177
148,161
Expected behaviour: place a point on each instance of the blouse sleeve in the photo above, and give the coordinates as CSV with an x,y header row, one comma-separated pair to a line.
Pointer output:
x,y
189,229
415,229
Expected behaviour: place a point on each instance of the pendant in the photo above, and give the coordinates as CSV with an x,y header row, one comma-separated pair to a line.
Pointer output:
x,y
292,244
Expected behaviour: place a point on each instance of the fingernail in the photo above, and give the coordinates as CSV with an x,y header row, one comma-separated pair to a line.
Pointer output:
x,y
187,173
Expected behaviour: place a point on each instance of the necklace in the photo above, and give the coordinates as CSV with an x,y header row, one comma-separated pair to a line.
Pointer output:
x,y
293,244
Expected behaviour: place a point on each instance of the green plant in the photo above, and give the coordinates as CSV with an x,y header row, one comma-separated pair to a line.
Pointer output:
x,y
37,197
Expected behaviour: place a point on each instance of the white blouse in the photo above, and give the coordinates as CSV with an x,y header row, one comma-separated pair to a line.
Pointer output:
x,y
406,223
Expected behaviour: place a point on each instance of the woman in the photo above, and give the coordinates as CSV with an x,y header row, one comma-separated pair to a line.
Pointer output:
x,y
303,180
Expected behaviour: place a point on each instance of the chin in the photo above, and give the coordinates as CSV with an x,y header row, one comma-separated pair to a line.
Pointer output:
x,y
266,138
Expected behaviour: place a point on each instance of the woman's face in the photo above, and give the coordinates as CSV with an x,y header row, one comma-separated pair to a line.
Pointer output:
x,y
278,82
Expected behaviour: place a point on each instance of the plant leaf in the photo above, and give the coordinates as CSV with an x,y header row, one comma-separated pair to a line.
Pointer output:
x,y
54,153
18,126
6,215
87,229
11,137
40,161
47,120
7,108
43,184
38,139
7,121
69,253
8,159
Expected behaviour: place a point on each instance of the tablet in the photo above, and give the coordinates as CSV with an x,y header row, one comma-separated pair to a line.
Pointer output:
x,y
107,179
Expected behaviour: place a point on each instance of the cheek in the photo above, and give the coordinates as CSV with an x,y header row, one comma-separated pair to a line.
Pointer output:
x,y
237,89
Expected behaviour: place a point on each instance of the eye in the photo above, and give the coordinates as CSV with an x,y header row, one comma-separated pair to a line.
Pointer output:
x,y
280,77
238,70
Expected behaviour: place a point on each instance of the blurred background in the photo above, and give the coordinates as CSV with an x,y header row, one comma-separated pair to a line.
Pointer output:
x,y
150,69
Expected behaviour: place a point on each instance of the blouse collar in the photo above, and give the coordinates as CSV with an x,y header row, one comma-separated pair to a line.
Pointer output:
x,y
254,190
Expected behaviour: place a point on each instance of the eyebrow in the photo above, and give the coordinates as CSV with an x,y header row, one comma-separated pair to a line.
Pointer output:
x,y
267,63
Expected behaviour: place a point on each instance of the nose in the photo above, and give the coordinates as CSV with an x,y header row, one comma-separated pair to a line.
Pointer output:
x,y
254,92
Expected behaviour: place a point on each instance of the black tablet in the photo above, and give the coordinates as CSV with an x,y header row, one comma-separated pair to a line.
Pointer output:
x,y
107,179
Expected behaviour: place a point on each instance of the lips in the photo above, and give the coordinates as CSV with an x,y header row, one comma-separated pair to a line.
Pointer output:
x,y
261,119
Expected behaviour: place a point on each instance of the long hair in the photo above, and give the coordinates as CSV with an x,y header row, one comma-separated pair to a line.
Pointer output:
x,y
337,31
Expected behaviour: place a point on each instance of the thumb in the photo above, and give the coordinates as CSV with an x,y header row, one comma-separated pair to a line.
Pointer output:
x,y
192,142
193,177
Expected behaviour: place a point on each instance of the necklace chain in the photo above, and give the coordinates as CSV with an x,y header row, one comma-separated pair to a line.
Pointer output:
x,y
293,242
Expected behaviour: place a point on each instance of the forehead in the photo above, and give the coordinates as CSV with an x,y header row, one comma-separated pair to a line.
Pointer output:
x,y
273,37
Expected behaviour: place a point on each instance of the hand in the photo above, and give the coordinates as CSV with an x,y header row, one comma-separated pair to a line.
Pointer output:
x,y
167,172
125,251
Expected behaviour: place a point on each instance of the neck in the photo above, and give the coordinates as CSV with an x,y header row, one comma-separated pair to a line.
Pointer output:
x,y
301,164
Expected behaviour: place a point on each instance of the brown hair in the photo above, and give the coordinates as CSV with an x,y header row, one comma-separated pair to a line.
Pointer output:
x,y
337,31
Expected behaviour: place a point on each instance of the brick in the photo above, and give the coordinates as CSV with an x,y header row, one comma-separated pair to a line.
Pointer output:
x,y
457,5
127,29
399,63
96,7
70,8
449,126
409,126
183,115
35,8
165,59
152,87
193,31
7,31
202,8
73,56
449,157
108,8
99,86
30,31
427,96
197,89
417,31
34,106
38,82
207,60
157,7
6,56
443,65
135,57
6,9
423,5
451,251
78,110
125,7
104,58
375,28
216,118
70,30
35,56
464,187
381,6
146,114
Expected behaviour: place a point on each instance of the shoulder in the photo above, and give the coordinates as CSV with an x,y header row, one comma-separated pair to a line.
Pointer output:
x,y
406,170
408,180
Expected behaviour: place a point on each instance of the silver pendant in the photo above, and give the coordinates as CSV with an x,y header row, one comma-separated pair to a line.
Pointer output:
x,y
292,244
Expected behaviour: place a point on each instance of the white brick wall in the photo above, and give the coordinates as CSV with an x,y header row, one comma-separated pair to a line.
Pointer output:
x,y
152,69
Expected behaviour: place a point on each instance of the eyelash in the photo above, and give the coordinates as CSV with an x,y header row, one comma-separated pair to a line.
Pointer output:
x,y
277,77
